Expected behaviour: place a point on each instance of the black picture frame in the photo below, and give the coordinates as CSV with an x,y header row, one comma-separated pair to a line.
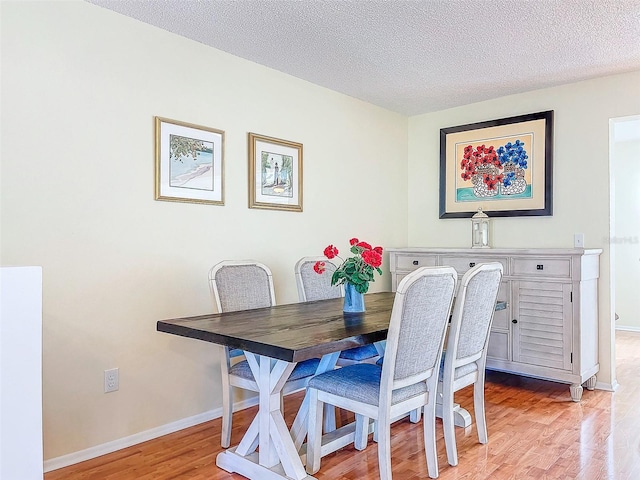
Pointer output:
x,y
517,182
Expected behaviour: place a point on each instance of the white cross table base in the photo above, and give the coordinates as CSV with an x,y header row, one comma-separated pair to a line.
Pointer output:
x,y
277,456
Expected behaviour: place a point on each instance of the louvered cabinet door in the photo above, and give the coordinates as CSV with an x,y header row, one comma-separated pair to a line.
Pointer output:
x,y
542,324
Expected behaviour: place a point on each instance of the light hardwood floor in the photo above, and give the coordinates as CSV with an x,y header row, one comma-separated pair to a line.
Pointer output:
x,y
535,432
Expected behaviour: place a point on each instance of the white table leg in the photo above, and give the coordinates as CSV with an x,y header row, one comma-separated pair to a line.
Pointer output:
x,y
278,456
249,442
299,427
267,404
461,418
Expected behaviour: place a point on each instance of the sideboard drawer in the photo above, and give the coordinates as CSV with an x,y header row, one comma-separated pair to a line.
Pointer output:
x,y
543,267
412,262
462,264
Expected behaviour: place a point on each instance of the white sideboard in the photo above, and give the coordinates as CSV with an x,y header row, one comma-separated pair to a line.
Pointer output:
x,y
549,329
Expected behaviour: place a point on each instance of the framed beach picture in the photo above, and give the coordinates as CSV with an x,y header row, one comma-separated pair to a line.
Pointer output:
x,y
189,162
275,173
502,166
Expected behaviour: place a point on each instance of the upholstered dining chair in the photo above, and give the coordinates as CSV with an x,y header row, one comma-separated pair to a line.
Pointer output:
x,y
244,285
407,379
312,286
464,360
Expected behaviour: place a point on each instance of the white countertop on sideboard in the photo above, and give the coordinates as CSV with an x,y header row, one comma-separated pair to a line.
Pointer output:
x,y
501,251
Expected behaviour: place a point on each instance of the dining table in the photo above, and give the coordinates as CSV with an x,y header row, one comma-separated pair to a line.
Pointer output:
x,y
274,340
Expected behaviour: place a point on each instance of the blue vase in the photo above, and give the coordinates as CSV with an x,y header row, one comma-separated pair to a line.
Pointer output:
x,y
353,300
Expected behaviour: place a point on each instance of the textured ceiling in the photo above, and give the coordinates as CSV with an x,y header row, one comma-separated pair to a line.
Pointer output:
x,y
413,57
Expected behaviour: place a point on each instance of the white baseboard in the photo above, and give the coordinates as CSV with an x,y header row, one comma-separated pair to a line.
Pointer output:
x,y
607,387
628,329
109,447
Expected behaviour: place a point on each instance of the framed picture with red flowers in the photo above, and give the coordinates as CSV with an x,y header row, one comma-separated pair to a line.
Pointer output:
x,y
275,173
503,166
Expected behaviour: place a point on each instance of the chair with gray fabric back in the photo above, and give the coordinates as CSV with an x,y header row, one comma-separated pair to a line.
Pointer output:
x,y
407,379
465,358
245,285
312,287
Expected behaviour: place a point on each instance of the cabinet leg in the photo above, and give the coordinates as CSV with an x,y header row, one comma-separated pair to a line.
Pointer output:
x,y
576,392
590,384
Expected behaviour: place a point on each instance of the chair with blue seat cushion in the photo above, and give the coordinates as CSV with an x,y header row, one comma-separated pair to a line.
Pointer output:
x,y
465,358
407,379
313,286
245,285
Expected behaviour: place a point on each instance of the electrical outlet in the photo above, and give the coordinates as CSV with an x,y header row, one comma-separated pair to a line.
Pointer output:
x,y
111,380
578,240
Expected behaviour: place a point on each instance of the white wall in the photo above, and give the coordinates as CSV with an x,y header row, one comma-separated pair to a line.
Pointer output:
x,y
21,373
626,239
80,88
581,178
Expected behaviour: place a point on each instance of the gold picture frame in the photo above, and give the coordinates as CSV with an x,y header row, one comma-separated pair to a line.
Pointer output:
x,y
275,173
189,162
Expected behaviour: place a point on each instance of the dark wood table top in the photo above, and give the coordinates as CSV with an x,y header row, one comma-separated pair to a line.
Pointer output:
x,y
292,332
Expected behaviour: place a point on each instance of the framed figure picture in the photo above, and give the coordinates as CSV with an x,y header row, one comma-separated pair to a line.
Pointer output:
x,y
275,173
189,162
503,166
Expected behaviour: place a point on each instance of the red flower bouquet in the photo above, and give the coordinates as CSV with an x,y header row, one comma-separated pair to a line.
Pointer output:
x,y
357,270
483,161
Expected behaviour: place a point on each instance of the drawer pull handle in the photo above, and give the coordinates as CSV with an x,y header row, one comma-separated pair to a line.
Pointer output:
x,y
539,267
472,264
415,262
514,321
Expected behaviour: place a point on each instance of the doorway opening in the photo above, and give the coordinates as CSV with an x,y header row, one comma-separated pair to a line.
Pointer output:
x,y
624,238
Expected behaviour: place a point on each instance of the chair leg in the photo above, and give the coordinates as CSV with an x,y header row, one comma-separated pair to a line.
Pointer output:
x,y
384,449
478,406
448,426
227,412
227,398
429,422
329,418
415,415
362,432
314,432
